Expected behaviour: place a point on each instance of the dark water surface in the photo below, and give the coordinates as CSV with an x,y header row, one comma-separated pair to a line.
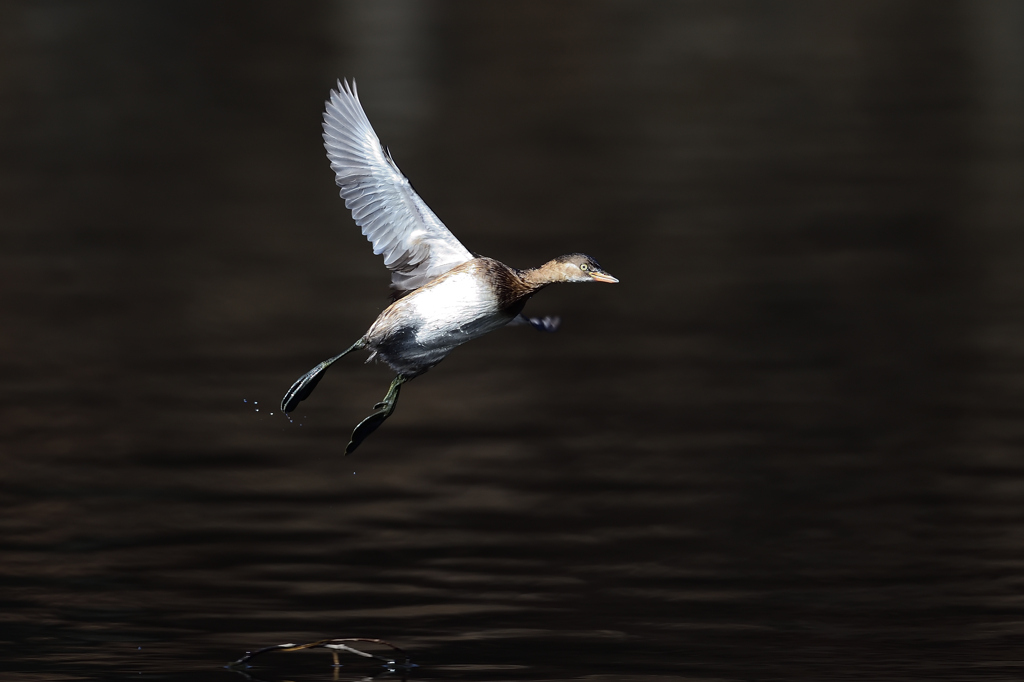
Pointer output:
x,y
787,445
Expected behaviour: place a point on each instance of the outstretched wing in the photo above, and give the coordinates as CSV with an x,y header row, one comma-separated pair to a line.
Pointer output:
x,y
416,245
548,323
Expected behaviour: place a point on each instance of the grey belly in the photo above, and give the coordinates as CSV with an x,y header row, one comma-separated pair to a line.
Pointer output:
x,y
410,354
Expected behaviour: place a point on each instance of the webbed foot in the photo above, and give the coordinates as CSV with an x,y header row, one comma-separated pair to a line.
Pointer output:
x,y
305,384
383,410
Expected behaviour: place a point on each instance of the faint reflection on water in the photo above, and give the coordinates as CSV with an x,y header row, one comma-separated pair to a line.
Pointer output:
x,y
787,445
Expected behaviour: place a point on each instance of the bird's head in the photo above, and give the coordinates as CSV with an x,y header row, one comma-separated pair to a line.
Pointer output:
x,y
577,267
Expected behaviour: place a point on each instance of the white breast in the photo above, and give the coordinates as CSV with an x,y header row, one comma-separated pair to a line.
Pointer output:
x,y
460,304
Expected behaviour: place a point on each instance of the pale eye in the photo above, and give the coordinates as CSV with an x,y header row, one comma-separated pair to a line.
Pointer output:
x,y
584,267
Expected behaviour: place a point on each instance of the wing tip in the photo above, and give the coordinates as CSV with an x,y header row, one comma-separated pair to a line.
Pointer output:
x,y
345,86
356,154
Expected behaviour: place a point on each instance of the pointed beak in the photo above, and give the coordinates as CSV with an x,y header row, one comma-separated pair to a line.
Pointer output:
x,y
601,276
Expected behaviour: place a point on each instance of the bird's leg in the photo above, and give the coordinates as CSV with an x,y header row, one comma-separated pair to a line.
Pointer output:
x,y
383,410
305,384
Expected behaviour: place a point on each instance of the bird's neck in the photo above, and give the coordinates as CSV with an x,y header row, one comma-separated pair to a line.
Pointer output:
x,y
513,286
538,278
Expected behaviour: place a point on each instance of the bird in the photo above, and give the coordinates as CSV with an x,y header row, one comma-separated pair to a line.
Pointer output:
x,y
443,294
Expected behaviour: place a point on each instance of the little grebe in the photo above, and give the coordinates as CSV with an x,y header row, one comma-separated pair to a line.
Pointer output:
x,y
445,295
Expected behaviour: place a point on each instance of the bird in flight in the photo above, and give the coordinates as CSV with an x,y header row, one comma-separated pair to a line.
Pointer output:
x,y
444,294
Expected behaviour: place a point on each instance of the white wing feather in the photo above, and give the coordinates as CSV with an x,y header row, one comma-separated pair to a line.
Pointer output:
x,y
416,245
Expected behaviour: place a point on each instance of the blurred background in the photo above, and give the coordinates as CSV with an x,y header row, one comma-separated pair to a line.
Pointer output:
x,y
787,445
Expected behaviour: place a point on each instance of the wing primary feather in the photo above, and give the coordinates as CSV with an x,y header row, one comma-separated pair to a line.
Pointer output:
x,y
416,245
